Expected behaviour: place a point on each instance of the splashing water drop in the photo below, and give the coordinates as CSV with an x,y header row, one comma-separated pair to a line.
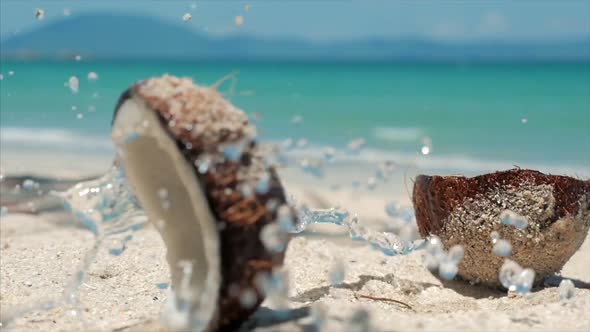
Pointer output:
x,y
39,14
92,76
337,273
275,287
515,278
495,236
297,120
318,314
74,84
187,17
371,183
302,143
447,270
356,145
29,184
263,184
513,219
502,248
248,298
329,153
163,285
437,260
274,238
388,243
426,148
566,290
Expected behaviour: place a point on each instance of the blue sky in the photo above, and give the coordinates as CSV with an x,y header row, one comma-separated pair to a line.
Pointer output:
x,y
337,19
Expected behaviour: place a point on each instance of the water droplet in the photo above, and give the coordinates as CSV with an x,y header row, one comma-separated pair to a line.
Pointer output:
x,y
495,236
425,150
275,286
11,73
92,76
371,183
248,298
447,270
74,84
187,17
318,314
80,116
356,144
302,143
567,289
502,248
329,153
163,285
78,57
337,273
29,184
39,13
524,120
297,120
273,237
287,143
263,184
515,278
233,152
513,219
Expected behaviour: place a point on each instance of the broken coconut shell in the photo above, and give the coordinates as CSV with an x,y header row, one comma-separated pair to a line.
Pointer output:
x,y
465,211
173,136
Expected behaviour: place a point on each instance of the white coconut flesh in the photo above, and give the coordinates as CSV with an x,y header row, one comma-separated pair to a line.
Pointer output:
x,y
154,165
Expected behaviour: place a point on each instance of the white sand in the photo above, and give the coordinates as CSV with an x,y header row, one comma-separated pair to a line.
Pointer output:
x,y
38,258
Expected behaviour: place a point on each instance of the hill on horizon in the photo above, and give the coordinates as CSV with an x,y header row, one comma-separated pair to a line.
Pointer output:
x,y
108,36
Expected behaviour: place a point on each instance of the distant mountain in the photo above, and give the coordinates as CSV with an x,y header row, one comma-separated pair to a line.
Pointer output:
x,y
126,36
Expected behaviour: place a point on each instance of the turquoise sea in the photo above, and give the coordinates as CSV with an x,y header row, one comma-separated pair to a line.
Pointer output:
x,y
474,114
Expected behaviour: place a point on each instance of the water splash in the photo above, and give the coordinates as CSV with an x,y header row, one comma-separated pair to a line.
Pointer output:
x,y
105,207
388,243
515,278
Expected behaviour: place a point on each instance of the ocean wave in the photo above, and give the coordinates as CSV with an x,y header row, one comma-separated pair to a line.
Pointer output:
x,y
52,137
14,137
450,163
395,134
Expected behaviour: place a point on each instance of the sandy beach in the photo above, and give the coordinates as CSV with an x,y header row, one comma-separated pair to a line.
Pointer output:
x,y
40,255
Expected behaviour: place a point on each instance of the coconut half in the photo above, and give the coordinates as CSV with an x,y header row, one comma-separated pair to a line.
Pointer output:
x,y
465,211
173,138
